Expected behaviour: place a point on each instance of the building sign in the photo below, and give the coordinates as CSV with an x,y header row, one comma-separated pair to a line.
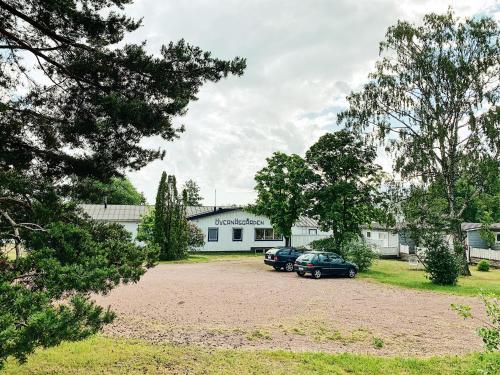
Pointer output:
x,y
239,222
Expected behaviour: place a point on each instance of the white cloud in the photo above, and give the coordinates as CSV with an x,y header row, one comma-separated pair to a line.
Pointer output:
x,y
303,58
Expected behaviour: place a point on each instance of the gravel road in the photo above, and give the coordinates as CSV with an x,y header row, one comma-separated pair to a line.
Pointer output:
x,y
246,304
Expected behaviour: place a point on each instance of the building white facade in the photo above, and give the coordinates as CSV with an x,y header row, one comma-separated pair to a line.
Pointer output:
x,y
224,228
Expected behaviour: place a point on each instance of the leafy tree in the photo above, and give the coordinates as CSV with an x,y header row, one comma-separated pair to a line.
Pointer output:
x,y
441,264
171,232
361,254
280,191
75,103
116,191
145,232
343,195
433,97
193,193
196,238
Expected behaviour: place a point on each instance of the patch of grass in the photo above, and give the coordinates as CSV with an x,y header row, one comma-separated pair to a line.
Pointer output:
x,y
258,334
204,257
398,273
101,355
377,342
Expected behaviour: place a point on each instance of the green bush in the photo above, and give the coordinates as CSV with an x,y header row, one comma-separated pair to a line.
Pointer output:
x,y
327,244
483,266
441,264
361,254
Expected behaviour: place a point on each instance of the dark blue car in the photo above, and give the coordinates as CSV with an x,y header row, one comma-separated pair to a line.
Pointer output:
x,y
282,257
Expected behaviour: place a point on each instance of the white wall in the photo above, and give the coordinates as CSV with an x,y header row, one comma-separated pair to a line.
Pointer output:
x,y
385,242
225,241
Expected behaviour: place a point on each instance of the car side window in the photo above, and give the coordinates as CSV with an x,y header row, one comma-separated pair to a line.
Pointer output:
x,y
322,258
284,252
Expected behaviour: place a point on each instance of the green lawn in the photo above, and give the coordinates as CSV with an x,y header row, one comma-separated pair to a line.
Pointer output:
x,y
398,273
99,355
203,257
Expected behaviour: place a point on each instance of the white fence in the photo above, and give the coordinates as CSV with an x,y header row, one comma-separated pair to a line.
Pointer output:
x,y
304,240
484,253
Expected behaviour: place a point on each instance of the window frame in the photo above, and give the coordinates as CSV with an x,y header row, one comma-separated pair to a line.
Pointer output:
x,y
264,239
315,233
241,237
368,234
208,234
497,237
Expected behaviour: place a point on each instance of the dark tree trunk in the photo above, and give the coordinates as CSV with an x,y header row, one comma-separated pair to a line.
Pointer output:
x,y
288,241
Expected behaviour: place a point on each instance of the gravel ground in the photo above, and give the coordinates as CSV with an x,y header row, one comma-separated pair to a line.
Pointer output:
x,y
246,304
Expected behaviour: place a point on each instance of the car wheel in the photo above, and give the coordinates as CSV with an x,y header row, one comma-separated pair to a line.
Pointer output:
x,y
288,266
276,268
351,273
317,274
301,273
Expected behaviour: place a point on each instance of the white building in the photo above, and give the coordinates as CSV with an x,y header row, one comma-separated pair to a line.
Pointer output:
x,y
385,241
225,228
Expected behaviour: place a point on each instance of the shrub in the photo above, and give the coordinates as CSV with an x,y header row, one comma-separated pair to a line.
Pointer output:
x,y
327,244
440,263
378,343
361,254
490,333
483,266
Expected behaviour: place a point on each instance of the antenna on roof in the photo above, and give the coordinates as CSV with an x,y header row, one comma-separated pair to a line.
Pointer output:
x,y
215,199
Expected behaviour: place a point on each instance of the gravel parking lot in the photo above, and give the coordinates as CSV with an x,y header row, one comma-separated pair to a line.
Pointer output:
x,y
247,304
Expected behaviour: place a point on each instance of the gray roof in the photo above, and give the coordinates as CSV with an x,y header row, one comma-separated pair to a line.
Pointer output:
x,y
475,226
132,213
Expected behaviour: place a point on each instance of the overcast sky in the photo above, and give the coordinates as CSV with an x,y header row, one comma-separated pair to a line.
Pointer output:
x,y
303,58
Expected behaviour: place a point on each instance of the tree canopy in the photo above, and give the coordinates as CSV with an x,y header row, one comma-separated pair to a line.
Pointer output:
x,y
193,193
434,98
344,193
115,191
75,102
280,191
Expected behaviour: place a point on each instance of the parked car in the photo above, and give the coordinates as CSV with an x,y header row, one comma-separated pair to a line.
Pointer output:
x,y
282,257
319,263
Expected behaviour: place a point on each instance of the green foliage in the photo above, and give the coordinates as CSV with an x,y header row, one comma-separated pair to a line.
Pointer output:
x,y
361,254
490,333
66,257
196,238
170,228
441,264
344,190
327,244
193,197
431,98
116,191
378,343
483,266
78,113
280,191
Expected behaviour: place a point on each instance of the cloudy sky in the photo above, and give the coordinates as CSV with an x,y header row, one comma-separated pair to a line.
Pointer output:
x,y
303,58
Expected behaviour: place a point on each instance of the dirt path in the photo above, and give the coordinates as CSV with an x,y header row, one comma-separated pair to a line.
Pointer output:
x,y
247,304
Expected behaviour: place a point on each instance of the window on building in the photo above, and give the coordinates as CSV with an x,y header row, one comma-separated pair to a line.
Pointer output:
x,y
498,237
313,231
368,234
381,236
213,234
266,234
237,234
